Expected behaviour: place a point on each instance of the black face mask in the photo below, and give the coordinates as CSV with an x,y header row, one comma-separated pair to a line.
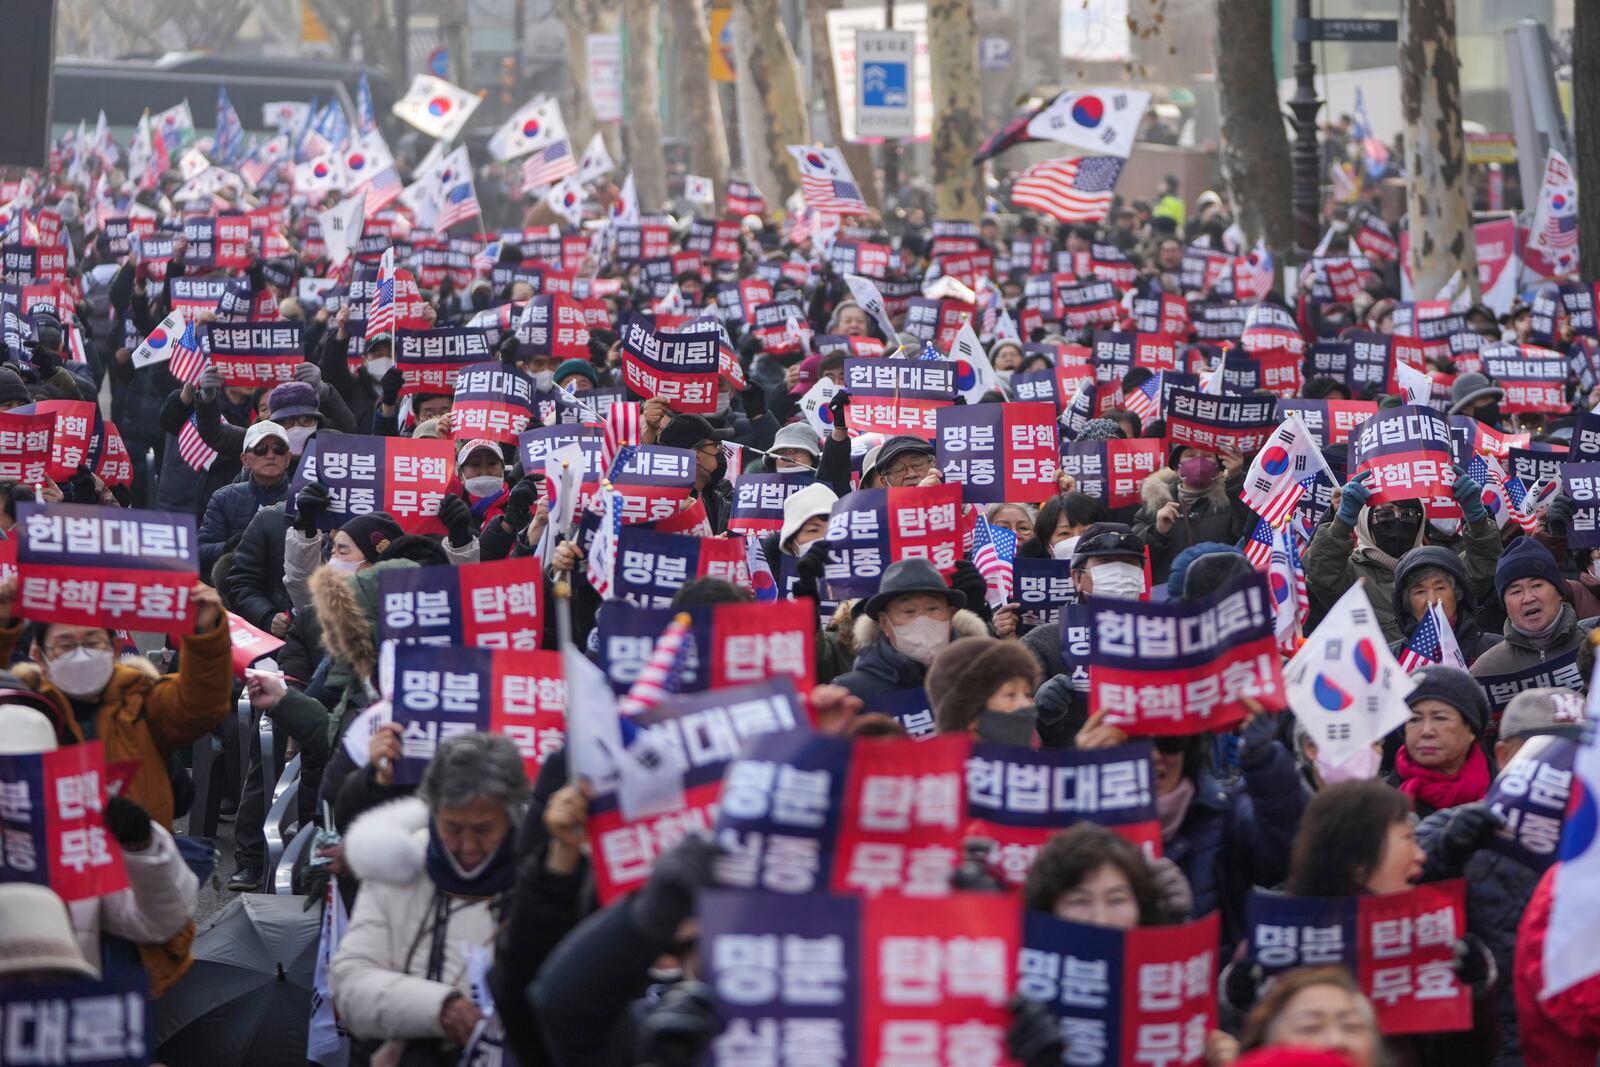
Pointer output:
x,y
1489,414
1397,537
1008,727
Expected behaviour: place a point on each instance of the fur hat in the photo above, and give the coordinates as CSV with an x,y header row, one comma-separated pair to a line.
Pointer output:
x,y
965,674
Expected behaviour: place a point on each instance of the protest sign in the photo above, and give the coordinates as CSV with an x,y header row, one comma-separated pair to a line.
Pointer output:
x,y
654,480
729,644
1532,791
1172,669
1039,385
89,565
936,321
25,447
1554,672
911,708
405,477
1141,996
72,433
871,528
1408,451
1163,313
1088,305
536,445
901,820
1399,946
1581,483
52,824
256,355
652,566
894,396
701,734
431,360
249,643
758,500
1043,587
86,1022
492,401
1220,423
680,368
522,695
1331,422
1112,472
496,605
998,452
1534,379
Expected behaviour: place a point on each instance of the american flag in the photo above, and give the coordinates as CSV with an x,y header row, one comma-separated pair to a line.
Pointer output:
x,y
623,425
745,199
1258,550
192,450
1372,146
929,352
1072,190
548,165
485,260
188,359
381,313
1252,274
1145,401
1286,578
836,195
1433,641
384,189
1523,513
663,673
603,549
458,204
994,548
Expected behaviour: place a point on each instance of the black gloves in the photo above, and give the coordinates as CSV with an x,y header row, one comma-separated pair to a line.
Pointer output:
x,y
838,404
1241,983
309,504
680,1026
1255,740
1470,827
809,568
391,383
668,897
969,580
754,399
1558,515
1474,965
457,518
520,503
1034,1036
128,823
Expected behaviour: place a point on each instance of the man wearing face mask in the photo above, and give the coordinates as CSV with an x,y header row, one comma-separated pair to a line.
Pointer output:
x,y
903,626
1367,542
1190,500
1108,562
711,466
1475,396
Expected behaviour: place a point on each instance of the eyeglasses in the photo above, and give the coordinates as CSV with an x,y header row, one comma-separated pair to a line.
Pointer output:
x,y
67,648
270,449
913,468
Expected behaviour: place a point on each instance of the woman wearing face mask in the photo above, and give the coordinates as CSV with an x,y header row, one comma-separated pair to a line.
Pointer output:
x,y
1434,575
355,545
1367,542
1192,499
1318,771
903,627
984,686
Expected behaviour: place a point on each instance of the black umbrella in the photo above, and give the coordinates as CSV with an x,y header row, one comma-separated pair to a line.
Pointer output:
x,y
246,1002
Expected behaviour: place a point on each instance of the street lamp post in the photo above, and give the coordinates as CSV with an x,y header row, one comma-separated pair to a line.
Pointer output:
x,y
1306,157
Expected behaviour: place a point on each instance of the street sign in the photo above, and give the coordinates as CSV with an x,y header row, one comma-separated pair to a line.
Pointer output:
x,y
994,53
1350,30
883,83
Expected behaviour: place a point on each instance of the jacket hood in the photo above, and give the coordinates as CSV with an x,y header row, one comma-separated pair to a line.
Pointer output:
x,y
1431,556
389,843
1366,546
878,657
1160,488
347,608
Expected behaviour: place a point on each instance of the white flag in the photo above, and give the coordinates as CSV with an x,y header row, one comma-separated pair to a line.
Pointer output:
x,y
193,164
865,291
533,126
1005,327
1417,386
436,107
975,375
698,189
341,226
566,198
596,162
1574,927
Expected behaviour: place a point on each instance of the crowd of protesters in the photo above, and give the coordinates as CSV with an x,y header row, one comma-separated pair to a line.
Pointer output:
x,y
481,874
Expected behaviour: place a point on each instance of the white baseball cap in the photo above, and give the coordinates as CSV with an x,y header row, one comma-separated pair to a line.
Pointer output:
x,y
260,431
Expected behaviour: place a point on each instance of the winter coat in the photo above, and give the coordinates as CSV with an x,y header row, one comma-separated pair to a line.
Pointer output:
x,y
1562,1030
1337,558
1585,596
177,484
881,668
360,398
1515,654
1217,516
255,589
1473,641
228,515
1498,891
303,556
379,975
155,908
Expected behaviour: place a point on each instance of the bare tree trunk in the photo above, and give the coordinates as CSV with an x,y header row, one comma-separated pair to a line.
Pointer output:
x,y
1437,206
859,156
957,109
774,73
457,41
364,21
1585,134
642,131
754,160
579,18
702,108
1255,146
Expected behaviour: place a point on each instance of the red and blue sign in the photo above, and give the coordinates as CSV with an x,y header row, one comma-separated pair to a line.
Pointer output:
x,y
52,824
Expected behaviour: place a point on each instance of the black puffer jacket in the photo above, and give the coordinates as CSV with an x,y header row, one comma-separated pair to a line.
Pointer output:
x,y
881,668
255,589
1473,641
1219,515
229,513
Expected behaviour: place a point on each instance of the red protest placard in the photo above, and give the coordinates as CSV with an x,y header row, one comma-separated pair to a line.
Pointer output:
x,y
73,430
530,704
905,806
1128,464
53,823
755,641
1407,958
421,473
250,643
116,463
25,447
233,242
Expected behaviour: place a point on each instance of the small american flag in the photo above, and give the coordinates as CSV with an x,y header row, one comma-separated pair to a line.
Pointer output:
x,y
745,199
1145,401
662,675
381,314
1522,512
192,450
548,166
188,360
1433,641
836,195
603,549
1252,274
384,189
929,352
1258,550
994,548
458,204
1071,190
485,260
622,428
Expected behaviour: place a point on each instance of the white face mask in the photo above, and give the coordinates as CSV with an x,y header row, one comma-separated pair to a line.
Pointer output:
x,y
1064,549
1357,767
345,566
484,485
801,546
921,639
1119,581
298,436
82,673
544,380
377,368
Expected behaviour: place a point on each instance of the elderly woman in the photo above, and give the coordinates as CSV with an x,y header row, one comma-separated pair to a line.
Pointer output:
x,y
432,870
1316,1008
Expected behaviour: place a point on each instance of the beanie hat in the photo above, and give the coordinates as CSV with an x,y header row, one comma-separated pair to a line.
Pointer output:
x,y
578,366
1214,570
12,391
966,673
1527,558
1455,687
1100,430
372,533
1182,561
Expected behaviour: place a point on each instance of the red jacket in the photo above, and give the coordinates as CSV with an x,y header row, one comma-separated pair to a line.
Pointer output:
x,y
1563,1031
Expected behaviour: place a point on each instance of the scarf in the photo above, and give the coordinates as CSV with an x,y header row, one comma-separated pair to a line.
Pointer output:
x,y
1439,790
1189,496
1543,639
1172,807
493,877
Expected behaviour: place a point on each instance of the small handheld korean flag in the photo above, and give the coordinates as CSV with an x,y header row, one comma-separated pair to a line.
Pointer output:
x,y
565,198
436,107
534,125
865,291
159,345
698,189
1418,386
1282,471
596,162
975,375
1343,684
814,406
341,226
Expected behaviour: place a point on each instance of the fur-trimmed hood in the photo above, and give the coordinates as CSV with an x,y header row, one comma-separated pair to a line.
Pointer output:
x,y
389,843
347,608
964,622
1160,487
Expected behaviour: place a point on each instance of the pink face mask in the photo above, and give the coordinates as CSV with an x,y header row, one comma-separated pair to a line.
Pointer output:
x,y
1357,767
1198,470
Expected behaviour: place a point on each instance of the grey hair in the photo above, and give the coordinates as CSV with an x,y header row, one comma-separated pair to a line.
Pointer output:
x,y
472,765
